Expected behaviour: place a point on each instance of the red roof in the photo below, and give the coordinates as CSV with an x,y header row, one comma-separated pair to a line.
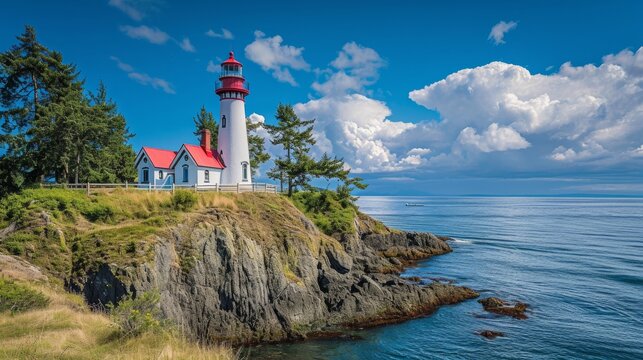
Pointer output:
x,y
203,158
231,60
160,158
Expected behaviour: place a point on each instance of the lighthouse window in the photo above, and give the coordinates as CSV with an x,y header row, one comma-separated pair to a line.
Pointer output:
x,y
223,121
146,175
185,173
207,176
244,171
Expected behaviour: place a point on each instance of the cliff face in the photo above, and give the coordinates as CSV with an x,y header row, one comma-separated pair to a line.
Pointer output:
x,y
266,273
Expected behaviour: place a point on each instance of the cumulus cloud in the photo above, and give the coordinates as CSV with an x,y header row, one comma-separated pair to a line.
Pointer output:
x,y
357,128
224,34
275,57
578,115
499,30
494,138
186,45
153,35
354,68
143,78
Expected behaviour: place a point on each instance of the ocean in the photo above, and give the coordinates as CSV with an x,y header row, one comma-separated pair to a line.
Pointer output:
x,y
578,262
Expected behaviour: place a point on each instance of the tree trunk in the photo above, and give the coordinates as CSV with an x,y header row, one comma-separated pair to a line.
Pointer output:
x,y
77,166
35,93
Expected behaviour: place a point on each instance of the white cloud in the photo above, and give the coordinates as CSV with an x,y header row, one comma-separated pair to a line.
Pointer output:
x,y
579,115
153,35
499,30
224,34
142,78
495,138
276,58
186,45
355,68
128,8
357,128
256,118
638,151
212,67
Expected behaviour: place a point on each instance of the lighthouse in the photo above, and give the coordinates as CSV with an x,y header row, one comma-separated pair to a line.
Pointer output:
x,y
233,135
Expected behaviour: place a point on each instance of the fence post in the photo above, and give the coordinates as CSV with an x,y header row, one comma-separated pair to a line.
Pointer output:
x,y
217,187
149,187
265,187
88,188
237,188
196,188
172,188
126,185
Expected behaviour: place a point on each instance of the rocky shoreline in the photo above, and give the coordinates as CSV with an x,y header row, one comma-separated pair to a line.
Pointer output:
x,y
277,278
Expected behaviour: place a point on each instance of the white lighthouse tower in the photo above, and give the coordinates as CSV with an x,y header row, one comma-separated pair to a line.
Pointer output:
x,y
233,135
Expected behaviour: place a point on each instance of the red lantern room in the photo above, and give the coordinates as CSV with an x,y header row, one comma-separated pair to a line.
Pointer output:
x,y
232,84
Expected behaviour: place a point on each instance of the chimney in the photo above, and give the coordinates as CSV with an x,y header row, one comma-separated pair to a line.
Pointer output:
x,y
205,140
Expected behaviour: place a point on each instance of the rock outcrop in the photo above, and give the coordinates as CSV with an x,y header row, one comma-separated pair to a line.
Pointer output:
x,y
268,274
501,307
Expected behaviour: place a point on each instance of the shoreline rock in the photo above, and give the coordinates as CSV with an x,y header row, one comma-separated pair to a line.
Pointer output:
x,y
490,334
224,275
502,307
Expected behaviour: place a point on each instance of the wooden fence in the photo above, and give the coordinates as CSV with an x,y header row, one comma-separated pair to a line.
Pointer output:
x,y
238,188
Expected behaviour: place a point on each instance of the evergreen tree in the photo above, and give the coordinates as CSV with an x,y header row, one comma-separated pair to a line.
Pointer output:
x,y
50,128
296,138
258,154
205,120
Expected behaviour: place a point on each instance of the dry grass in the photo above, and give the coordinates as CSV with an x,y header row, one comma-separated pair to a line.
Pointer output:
x,y
68,330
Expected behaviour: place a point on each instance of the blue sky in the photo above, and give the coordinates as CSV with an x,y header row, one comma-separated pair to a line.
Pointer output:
x,y
500,98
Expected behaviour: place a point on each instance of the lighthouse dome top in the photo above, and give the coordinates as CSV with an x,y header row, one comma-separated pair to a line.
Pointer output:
x,y
231,60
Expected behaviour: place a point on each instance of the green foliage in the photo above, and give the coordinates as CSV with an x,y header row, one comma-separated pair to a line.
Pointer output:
x,y
296,167
16,242
52,128
327,210
256,147
183,200
135,316
17,298
205,120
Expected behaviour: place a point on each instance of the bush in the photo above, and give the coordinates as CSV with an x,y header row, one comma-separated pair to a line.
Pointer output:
x,y
184,200
135,316
18,298
98,212
326,210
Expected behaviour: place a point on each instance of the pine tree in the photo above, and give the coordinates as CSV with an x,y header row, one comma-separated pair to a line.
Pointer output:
x,y
50,127
23,85
205,120
296,138
256,147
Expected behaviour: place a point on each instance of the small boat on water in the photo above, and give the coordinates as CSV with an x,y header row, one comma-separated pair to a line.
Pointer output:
x,y
413,204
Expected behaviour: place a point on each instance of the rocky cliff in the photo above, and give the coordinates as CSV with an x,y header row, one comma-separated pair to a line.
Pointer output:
x,y
262,271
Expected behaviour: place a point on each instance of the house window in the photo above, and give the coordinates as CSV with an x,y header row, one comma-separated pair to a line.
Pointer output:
x,y
207,176
185,158
160,174
146,175
185,173
223,121
145,160
244,171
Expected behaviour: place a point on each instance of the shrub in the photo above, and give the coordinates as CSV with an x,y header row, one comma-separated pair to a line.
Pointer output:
x,y
98,212
17,298
184,200
326,210
135,316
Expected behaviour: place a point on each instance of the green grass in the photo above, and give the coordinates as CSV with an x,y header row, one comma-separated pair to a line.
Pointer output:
x,y
17,298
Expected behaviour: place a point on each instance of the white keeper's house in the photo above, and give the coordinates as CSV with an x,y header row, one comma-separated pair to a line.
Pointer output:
x,y
199,164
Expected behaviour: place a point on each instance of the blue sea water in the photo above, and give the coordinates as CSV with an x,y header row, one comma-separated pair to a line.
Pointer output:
x,y
577,261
